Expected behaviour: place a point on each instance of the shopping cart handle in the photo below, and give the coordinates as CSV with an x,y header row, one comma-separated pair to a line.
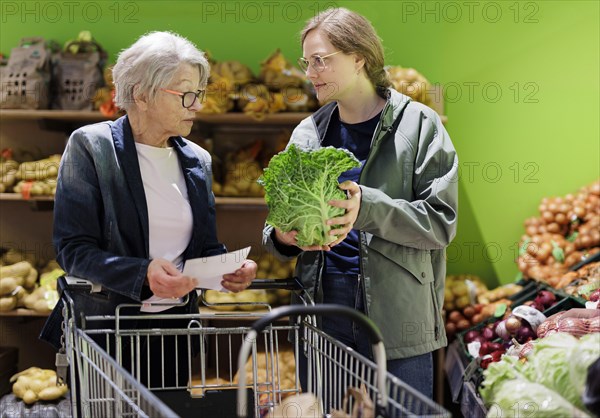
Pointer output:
x,y
290,284
76,283
325,309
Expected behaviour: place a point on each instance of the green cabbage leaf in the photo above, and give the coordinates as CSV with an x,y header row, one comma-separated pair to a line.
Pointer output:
x,y
299,184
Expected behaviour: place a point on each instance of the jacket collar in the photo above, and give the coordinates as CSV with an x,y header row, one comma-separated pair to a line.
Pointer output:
x,y
128,159
196,183
193,173
396,102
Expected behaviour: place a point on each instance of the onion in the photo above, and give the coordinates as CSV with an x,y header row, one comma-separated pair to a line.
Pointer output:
x,y
546,298
488,333
470,336
524,334
501,330
595,296
537,304
512,325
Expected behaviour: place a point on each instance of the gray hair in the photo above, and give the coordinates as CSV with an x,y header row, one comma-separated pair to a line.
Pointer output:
x,y
151,62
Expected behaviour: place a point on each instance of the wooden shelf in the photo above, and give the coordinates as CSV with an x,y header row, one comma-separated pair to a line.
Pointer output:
x,y
288,118
66,115
285,118
19,197
220,201
24,312
240,201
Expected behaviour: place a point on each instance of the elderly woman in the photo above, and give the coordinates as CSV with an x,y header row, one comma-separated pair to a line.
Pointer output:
x,y
134,200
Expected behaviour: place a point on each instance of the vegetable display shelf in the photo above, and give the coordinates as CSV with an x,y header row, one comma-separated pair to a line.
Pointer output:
x,y
220,201
24,312
58,119
283,118
463,371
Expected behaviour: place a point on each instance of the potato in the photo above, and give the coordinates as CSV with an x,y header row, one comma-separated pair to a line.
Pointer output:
x,y
281,272
7,285
41,305
37,385
20,269
52,392
21,293
29,397
31,278
8,303
250,296
230,190
30,300
264,263
19,389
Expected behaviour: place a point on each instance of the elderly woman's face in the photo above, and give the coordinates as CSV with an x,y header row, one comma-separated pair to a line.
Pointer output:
x,y
168,108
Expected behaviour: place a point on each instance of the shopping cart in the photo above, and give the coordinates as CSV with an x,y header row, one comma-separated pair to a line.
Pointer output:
x,y
342,382
198,364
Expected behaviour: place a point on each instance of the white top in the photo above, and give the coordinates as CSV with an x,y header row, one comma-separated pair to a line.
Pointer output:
x,y
169,210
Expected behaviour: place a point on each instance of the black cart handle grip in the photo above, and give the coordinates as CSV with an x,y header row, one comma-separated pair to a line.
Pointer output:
x,y
290,284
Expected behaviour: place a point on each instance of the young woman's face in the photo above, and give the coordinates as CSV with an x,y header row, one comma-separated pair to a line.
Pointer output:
x,y
168,110
339,75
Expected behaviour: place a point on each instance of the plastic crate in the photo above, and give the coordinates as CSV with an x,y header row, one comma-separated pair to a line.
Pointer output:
x,y
564,305
454,366
471,404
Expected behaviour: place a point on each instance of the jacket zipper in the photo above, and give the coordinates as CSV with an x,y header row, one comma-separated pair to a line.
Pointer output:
x,y
361,234
435,311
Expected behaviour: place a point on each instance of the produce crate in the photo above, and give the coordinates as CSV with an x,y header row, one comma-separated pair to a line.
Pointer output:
x,y
527,284
474,373
471,404
454,366
564,305
9,358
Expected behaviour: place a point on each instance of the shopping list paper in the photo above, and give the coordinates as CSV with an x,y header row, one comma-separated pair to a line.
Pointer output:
x,y
208,272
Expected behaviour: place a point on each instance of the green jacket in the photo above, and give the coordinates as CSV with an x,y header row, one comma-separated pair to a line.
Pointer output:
x,y
407,218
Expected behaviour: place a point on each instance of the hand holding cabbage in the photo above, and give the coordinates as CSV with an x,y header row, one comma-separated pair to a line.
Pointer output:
x,y
298,186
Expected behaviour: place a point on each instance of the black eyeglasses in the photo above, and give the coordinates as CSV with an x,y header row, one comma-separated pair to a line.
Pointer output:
x,y
316,61
188,98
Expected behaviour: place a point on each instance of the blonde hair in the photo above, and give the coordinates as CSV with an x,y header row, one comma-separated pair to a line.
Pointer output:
x,y
151,63
352,33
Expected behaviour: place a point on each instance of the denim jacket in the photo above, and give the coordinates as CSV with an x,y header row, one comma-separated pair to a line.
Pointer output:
x,y
101,217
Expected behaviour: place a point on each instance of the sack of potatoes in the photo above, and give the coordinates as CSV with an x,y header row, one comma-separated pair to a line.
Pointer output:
x,y
35,384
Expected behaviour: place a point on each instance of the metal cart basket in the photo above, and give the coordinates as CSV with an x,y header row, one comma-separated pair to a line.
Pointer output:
x,y
130,365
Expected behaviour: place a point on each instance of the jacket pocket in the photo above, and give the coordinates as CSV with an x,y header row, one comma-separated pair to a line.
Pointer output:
x,y
416,262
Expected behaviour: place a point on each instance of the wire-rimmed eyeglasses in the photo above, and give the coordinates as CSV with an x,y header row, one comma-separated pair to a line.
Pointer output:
x,y
316,61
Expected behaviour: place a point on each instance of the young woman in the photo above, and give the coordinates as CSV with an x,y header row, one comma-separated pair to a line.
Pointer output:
x,y
388,260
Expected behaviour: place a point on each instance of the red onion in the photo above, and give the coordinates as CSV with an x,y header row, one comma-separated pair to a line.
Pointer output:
x,y
470,336
546,298
489,334
524,334
595,296
537,304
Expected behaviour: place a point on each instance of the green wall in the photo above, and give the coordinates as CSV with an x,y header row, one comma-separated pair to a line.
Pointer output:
x,y
521,80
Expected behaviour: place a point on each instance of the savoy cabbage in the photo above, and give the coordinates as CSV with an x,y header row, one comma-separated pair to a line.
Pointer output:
x,y
298,184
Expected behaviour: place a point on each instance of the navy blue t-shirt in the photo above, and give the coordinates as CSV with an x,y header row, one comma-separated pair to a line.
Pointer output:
x,y
356,138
